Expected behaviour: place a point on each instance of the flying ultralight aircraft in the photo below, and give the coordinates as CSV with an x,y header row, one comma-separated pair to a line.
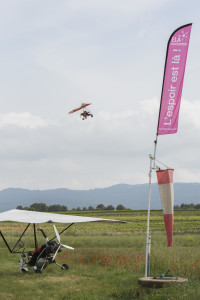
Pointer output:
x,y
86,113
46,254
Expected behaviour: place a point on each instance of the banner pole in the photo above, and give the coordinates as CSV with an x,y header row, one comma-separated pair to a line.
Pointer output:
x,y
154,153
148,237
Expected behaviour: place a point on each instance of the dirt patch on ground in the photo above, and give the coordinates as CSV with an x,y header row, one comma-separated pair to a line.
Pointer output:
x,y
12,227
65,278
72,278
10,295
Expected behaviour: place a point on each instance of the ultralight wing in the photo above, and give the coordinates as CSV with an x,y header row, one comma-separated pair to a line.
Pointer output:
x,y
80,107
34,217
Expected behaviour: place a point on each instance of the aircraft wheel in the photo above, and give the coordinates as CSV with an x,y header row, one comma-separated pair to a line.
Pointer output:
x,y
23,270
65,267
38,271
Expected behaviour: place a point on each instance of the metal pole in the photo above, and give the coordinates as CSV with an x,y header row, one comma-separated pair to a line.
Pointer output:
x,y
35,237
154,154
148,238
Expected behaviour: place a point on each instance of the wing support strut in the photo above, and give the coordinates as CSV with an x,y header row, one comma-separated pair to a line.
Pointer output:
x,y
35,237
5,241
12,250
62,231
20,238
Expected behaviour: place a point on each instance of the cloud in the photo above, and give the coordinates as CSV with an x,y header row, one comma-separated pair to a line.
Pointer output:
x,y
111,6
75,154
108,116
112,147
52,16
25,120
190,112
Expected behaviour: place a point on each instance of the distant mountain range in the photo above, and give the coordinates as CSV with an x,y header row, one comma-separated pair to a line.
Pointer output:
x,y
131,196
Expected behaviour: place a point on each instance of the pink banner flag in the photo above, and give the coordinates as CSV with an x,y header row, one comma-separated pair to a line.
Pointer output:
x,y
175,62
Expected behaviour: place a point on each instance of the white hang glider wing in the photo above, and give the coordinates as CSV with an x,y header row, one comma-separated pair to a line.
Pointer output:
x,y
35,217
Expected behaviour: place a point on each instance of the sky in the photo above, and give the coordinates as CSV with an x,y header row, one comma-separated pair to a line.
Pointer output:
x,y
54,55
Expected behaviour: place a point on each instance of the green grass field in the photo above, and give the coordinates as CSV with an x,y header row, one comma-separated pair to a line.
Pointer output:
x,y
108,259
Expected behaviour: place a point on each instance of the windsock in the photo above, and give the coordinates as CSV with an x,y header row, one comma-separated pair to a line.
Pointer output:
x,y
166,189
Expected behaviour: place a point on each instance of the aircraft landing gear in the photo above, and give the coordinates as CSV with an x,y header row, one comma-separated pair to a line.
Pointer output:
x,y
65,267
23,270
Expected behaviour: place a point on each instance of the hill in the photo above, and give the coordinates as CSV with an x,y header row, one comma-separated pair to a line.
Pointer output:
x,y
131,196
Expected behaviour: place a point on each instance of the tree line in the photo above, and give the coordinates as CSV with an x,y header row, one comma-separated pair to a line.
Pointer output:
x,y
187,206
42,207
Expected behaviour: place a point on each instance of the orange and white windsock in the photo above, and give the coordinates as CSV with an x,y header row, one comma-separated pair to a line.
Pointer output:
x,y
166,189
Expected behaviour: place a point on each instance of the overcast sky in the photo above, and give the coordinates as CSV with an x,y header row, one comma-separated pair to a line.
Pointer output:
x,y
55,55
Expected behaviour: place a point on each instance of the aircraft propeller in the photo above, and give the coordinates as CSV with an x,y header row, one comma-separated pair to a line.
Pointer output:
x,y
59,243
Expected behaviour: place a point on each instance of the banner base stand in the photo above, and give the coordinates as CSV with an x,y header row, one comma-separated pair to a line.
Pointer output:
x,y
147,283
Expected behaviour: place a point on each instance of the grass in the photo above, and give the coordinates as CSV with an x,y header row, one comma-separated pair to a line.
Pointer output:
x,y
107,261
